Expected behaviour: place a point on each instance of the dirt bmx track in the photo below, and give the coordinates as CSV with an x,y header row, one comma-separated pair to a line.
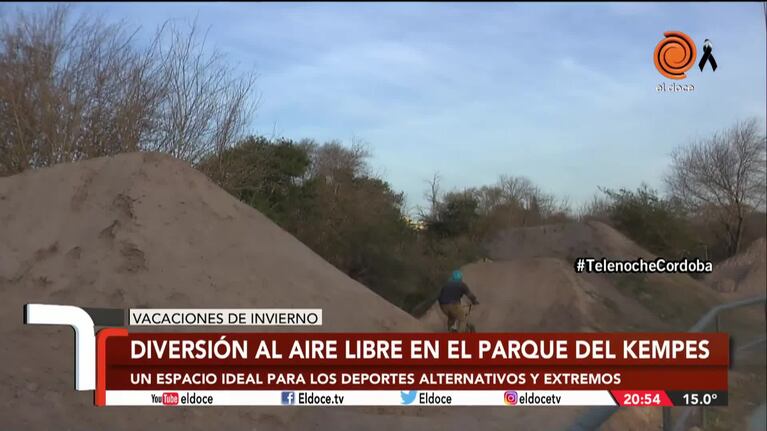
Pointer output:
x,y
146,230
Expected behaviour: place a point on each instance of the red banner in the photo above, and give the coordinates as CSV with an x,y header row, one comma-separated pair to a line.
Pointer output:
x,y
542,349
354,361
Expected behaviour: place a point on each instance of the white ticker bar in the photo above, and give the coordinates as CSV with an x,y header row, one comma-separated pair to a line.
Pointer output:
x,y
509,398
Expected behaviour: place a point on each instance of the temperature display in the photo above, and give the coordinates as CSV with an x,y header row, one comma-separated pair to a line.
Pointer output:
x,y
698,398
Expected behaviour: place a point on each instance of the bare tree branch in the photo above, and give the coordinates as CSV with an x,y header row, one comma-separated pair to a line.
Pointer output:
x,y
76,88
723,175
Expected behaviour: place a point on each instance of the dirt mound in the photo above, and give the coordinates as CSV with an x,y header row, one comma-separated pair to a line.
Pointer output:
x,y
544,295
676,299
567,241
532,286
145,230
148,230
742,275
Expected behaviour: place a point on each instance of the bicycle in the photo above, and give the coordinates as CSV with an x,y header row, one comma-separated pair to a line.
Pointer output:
x,y
469,327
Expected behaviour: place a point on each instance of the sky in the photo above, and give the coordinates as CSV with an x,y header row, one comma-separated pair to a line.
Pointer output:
x,y
562,93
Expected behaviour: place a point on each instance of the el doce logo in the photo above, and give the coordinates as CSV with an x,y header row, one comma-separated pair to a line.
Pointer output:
x,y
676,54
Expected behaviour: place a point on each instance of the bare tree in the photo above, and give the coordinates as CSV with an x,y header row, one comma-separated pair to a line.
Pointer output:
x,y
432,195
73,88
723,175
598,207
205,103
520,195
69,90
334,162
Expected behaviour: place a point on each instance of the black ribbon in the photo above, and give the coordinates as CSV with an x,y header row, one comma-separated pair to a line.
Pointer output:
x,y
707,48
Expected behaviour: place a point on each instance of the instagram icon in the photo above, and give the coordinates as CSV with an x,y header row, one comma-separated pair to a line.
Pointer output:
x,y
510,398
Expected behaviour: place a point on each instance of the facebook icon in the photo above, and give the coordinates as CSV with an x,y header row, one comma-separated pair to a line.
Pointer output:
x,y
288,398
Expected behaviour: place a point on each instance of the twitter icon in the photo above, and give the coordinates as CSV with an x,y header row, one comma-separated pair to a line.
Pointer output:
x,y
408,397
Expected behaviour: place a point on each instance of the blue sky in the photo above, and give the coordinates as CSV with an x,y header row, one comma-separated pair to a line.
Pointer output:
x,y
561,93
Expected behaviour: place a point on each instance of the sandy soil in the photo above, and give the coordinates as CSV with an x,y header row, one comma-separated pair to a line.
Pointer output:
x,y
148,230
676,300
743,275
567,241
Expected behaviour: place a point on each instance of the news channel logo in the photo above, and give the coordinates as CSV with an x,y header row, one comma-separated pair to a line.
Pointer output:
x,y
408,397
675,54
510,398
288,398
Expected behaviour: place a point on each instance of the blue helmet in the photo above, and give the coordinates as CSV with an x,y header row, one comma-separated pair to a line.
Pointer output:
x,y
457,275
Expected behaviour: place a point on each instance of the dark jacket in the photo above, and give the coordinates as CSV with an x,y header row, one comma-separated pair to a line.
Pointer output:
x,y
453,291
